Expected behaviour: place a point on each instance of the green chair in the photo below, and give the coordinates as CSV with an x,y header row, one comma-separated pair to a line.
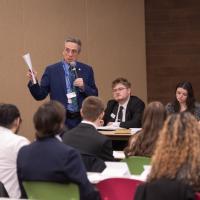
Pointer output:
x,y
51,190
136,163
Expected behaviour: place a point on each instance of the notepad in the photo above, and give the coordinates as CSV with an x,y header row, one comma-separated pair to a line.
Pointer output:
x,y
123,131
108,128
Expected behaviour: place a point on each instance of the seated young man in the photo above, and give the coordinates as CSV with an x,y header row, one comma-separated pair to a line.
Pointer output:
x,y
124,110
48,159
10,144
85,136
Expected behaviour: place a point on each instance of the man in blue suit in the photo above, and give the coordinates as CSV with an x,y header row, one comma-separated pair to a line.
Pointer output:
x,y
67,81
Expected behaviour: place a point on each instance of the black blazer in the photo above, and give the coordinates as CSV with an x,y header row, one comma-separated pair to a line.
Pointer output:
x,y
164,189
88,140
93,163
3,192
134,112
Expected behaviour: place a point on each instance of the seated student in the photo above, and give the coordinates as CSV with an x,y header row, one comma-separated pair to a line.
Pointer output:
x,y
10,144
47,158
85,136
144,141
184,100
175,161
124,110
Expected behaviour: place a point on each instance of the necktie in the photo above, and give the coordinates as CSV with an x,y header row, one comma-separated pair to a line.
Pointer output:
x,y
120,114
72,77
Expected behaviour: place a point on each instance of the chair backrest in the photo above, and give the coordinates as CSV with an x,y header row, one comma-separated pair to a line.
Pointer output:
x,y
136,163
118,188
51,190
197,195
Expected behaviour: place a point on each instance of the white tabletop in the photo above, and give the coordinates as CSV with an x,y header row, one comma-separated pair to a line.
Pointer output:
x,y
117,170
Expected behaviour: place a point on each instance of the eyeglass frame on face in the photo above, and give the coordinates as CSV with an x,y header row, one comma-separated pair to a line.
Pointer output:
x,y
72,51
119,89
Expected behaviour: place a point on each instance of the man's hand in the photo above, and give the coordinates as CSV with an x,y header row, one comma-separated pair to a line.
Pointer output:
x,y
110,123
29,74
114,124
79,83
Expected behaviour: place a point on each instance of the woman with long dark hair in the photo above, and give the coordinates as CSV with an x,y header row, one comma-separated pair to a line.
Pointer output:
x,y
184,100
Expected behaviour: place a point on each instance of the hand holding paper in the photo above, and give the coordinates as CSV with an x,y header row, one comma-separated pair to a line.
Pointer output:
x,y
27,59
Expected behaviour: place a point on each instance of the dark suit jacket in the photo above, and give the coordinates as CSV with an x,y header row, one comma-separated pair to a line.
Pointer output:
x,y
134,112
164,189
53,83
88,140
49,159
3,192
93,163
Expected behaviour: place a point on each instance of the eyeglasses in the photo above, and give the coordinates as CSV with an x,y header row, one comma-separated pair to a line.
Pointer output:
x,y
72,51
119,89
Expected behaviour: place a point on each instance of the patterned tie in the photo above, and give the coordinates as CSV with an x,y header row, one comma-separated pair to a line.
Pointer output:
x,y
120,114
72,78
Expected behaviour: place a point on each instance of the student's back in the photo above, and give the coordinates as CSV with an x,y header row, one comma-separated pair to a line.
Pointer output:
x,y
48,159
10,144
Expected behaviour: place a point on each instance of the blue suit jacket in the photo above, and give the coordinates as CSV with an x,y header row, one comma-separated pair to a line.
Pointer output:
x,y
53,83
49,159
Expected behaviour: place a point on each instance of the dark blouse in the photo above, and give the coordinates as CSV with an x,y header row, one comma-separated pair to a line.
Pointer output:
x,y
170,109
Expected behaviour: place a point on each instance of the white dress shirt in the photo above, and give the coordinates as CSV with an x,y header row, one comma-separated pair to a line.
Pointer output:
x,y
116,124
10,144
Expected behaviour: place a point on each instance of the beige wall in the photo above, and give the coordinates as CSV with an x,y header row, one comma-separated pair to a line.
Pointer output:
x,y
112,32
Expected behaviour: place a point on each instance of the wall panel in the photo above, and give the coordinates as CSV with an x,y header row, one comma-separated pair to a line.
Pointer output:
x,y
112,33
172,46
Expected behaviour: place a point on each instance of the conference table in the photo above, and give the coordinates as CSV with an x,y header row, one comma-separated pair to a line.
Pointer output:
x,y
119,136
118,133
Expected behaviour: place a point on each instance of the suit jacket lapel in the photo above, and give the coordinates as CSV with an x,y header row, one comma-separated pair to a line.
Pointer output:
x,y
127,115
113,114
78,69
61,73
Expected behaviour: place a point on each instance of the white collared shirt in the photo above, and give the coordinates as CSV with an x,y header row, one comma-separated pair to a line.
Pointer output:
x,y
10,144
123,111
88,122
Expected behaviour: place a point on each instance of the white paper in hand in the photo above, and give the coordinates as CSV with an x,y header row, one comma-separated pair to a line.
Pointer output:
x,y
27,59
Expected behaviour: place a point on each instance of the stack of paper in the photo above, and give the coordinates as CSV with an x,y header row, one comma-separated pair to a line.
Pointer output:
x,y
116,169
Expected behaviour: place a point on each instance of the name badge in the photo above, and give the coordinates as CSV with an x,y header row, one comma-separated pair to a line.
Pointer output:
x,y
70,96
112,115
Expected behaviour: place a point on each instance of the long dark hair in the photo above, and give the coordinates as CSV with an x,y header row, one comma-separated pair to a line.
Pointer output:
x,y
190,101
153,120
